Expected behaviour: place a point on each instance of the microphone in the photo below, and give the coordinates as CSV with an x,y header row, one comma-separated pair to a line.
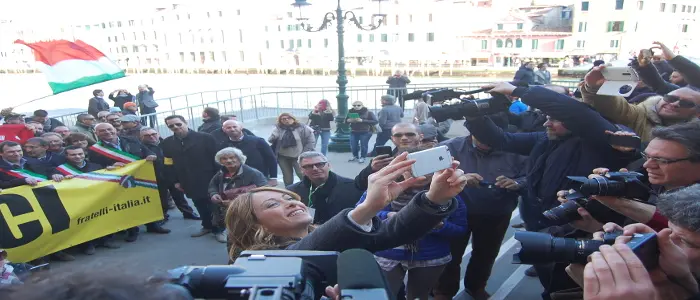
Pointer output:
x,y
359,276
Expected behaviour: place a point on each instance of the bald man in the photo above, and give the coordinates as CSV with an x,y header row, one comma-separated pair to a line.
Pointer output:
x,y
258,152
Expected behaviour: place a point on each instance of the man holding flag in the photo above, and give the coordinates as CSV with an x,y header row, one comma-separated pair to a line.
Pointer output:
x,y
114,151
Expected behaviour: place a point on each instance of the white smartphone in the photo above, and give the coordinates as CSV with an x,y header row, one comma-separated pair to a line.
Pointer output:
x,y
430,160
619,81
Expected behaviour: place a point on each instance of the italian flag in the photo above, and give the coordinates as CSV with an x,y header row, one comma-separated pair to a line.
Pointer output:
x,y
71,65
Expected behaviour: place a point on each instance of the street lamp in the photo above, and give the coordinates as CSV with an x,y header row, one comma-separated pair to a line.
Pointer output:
x,y
340,141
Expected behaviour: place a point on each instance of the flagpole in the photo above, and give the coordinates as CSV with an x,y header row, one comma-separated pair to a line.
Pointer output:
x,y
30,101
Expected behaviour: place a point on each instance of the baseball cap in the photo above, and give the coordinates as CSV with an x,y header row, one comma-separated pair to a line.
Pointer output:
x,y
429,131
115,109
130,118
127,104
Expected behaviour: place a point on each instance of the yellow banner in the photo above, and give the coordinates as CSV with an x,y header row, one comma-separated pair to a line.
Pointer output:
x,y
52,216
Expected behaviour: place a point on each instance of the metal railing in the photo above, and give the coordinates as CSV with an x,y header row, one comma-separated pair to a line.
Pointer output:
x,y
256,103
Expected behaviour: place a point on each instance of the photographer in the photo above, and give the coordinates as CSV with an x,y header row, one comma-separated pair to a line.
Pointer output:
x,y
575,141
268,218
679,257
672,160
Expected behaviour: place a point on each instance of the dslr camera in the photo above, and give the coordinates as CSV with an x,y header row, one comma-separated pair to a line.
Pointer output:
x,y
616,184
451,108
541,248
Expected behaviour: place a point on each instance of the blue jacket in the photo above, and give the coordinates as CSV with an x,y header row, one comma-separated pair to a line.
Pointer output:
x,y
551,161
517,107
434,245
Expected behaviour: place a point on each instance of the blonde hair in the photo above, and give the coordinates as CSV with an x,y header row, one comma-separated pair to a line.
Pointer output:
x,y
244,231
279,118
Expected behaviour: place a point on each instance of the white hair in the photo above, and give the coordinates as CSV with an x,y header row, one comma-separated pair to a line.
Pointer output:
x,y
230,151
311,154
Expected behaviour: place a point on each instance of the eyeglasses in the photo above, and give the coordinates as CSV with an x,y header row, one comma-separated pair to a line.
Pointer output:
x,y
318,165
175,125
399,135
663,161
681,102
357,105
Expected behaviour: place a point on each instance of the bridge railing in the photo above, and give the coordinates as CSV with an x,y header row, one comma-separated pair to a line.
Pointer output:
x,y
255,103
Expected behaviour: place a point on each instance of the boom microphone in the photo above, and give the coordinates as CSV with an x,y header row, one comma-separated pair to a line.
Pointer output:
x,y
360,277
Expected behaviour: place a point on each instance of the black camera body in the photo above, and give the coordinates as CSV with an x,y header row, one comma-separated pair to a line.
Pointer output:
x,y
616,184
542,248
470,108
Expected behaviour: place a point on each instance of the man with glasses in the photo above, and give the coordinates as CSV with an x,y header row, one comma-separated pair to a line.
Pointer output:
x,y
188,157
115,120
678,106
672,161
84,124
324,192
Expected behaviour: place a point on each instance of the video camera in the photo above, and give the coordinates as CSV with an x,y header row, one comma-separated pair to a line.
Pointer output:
x,y
286,275
541,248
458,110
616,184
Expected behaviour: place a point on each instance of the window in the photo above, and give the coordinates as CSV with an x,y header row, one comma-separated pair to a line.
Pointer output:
x,y
279,28
695,9
109,39
673,8
242,55
431,37
299,43
584,5
189,17
683,8
144,35
131,22
223,56
371,37
240,35
411,37
134,33
640,5
362,20
397,19
663,7
484,44
291,44
560,44
308,43
582,26
499,26
580,44
430,17
499,43
221,14
520,26
238,12
616,26
211,56
223,39
135,49
385,38
180,35
266,29
267,44
119,23
282,44
619,4
208,15
509,43
359,38
684,28
614,43
518,43
115,39
155,35
410,18
325,43
290,14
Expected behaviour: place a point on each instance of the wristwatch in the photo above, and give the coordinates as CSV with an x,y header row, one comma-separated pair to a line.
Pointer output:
x,y
438,207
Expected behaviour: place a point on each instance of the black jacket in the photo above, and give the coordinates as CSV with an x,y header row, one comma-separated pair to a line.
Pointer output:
x,y
246,176
8,181
208,126
219,134
525,75
337,194
158,163
190,162
96,105
320,121
258,152
127,144
119,100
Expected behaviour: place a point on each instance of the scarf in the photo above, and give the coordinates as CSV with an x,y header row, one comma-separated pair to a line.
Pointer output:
x,y
288,139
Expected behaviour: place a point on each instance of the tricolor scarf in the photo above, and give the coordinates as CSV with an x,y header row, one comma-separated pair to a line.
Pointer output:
x,y
113,153
67,169
23,173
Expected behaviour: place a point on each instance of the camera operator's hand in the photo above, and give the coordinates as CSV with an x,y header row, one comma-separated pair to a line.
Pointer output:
x,y
607,228
504,88
507,183
595,78
616,273
333,292
665,51
380,161
587,222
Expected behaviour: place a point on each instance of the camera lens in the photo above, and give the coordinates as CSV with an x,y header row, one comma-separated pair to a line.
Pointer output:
x,y
542,248
603,187
564,213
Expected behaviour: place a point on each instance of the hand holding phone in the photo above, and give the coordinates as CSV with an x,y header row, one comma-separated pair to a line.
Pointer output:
x,y
384,150
624,141
430,161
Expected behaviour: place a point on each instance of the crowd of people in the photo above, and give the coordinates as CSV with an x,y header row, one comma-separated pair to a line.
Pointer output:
x,y
419,227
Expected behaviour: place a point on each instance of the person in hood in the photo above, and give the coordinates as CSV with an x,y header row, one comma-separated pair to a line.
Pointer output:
x,y
526,73
211,120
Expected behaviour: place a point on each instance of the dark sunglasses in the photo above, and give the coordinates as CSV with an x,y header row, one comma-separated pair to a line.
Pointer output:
x,y
681,102
318,165
357,105
175,125
407,134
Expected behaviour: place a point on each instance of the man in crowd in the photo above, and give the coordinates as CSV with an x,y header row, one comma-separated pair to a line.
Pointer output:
x,y
115,120
147,105
258,152
388,116
97,103
120,97
102,116
55,142
76,164
36,152
37,127
323,191
42,116
62,130
13,118
151,139
16,170
131,126
211,120
84,124
404,136
491,196
188,157
114,151
219,134
679,106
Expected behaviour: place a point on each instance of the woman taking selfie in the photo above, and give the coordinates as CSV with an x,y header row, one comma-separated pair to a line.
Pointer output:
x,y
268,218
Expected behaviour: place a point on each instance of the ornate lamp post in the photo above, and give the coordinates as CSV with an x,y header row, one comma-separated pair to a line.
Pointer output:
x,y
340,141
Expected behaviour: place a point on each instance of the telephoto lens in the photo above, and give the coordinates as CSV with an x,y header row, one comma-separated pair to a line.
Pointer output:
x,y
541,248
564,213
